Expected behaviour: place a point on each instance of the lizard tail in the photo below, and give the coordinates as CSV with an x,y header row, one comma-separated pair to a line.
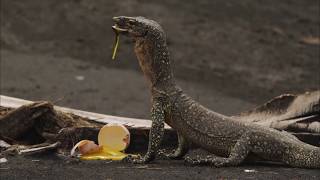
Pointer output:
x,y
305,156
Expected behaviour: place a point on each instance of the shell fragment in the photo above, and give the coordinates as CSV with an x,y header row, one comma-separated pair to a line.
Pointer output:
x,y
114,136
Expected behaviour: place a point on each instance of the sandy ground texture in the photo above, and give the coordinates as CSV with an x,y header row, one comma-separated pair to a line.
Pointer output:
x,y
229,55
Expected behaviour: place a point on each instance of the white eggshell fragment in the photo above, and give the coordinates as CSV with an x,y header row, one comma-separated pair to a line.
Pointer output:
x,y
85,147
114,136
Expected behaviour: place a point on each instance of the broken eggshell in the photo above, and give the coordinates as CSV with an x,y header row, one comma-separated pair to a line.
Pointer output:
x,y
85,147
112,139
114,136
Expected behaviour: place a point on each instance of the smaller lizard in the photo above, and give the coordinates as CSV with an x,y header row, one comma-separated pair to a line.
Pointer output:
x,y
229,140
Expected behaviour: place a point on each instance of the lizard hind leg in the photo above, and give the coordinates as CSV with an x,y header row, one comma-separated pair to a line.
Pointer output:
x,y
182,149
238,153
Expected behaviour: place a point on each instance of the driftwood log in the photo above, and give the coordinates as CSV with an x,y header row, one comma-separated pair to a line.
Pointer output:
x,y
297,114
39,123
38,126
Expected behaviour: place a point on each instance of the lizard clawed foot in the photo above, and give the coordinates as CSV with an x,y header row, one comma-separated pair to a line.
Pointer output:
x,y
168,155
163,154
134,159
191,161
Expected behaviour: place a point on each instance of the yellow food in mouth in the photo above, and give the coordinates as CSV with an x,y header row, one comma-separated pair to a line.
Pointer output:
x,y
116,43
117,30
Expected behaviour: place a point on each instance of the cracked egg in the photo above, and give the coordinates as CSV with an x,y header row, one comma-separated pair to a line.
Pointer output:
x,y
114,136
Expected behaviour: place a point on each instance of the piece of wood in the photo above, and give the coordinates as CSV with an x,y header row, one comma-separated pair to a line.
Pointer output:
x,y
133,123
297,113
38,148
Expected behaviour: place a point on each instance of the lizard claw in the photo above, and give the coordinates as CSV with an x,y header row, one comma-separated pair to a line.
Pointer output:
x,y
134,159
172,155
163,154
191,161
217,164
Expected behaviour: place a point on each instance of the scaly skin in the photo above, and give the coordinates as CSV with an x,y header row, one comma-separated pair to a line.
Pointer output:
x,y
229,140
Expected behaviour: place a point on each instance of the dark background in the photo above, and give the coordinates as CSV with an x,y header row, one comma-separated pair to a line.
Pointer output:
x,y
230,55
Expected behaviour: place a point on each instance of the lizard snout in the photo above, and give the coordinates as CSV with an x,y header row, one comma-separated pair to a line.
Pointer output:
x,y
121,23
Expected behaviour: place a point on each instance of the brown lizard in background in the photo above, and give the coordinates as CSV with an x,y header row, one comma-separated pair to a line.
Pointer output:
x,y
229,140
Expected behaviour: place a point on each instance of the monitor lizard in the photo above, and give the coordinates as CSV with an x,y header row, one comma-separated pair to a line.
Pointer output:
x,y
229,140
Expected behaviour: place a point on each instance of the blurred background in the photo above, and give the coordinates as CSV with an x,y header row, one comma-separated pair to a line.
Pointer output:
x,y
229,55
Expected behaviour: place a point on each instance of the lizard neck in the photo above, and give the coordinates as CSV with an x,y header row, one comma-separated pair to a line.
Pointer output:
x,y
154,60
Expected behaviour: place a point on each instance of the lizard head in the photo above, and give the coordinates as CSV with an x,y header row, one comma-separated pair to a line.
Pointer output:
x,y
136,27
150,46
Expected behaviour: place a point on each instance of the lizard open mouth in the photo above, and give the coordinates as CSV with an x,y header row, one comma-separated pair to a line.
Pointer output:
x,y
120,26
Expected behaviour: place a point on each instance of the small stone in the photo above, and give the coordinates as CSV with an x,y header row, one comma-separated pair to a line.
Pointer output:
x,y
79,78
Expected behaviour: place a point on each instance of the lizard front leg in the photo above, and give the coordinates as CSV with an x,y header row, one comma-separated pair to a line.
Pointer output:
x,y
238,153
155,135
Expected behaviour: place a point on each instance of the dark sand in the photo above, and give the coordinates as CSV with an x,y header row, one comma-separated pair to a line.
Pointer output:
x,y
229,55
